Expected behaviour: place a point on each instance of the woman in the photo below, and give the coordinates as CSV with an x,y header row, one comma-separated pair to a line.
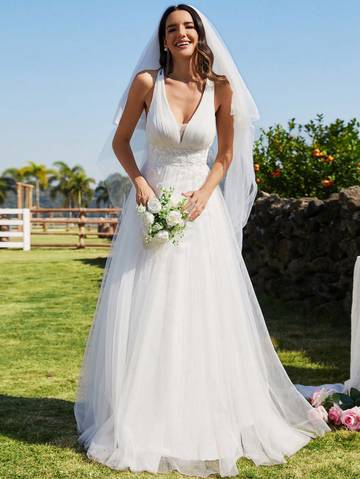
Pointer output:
x,y
179,371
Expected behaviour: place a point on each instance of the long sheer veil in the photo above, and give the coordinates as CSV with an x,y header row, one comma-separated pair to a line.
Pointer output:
x,y
239,183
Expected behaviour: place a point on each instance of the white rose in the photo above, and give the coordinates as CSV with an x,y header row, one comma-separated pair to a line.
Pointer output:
x,y
173,218
154,205
148,218
162,236
175,199
157,227
141,208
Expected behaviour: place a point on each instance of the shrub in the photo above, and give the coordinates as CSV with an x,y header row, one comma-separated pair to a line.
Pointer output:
x,y
308,160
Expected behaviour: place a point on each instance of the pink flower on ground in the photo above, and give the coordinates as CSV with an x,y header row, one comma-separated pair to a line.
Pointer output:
x,y
335,414
351,418
318,412
319,396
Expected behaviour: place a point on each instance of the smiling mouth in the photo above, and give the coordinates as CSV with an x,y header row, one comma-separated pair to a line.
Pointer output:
x,y
182,45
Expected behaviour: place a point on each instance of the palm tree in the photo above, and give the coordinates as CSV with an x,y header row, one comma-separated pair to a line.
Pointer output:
x,y
6,184
40,175
14,173
60,182
73,183
80,187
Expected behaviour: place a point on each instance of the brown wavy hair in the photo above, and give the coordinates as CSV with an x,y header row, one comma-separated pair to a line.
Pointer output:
x,y
203,57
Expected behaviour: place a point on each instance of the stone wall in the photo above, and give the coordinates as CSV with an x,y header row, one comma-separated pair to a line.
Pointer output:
x,y
304,250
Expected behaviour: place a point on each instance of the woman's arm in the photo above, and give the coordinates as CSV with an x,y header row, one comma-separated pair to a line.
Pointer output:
x,y
225,134
140,89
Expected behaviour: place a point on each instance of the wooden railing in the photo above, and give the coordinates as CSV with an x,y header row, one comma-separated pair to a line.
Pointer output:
x,y
80,221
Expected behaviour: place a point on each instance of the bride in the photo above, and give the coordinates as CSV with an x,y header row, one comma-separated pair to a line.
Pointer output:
x,y
179,371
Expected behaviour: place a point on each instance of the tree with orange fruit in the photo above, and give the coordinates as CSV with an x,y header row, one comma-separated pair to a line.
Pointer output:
x,y
313,159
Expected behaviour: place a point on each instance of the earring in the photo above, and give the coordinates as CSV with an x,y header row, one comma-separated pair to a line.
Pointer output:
x,y
165,49
168,55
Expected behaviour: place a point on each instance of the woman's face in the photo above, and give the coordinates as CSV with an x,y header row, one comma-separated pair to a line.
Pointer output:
x,y
180,34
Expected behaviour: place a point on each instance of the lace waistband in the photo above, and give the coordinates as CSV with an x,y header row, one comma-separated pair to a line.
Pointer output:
x,y
164,156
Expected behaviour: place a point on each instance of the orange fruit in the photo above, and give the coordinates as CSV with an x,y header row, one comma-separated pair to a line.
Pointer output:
x,y
328,159
327,182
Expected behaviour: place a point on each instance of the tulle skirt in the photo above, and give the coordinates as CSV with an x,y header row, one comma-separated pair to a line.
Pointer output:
x,y
179,371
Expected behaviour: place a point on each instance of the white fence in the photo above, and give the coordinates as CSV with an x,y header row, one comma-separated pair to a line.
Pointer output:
x,y
23,225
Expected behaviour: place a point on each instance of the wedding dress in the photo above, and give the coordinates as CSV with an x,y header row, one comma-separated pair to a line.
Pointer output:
x,y
176,373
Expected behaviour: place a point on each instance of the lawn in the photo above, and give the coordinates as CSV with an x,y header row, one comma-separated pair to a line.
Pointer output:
x,y
55,236
47,300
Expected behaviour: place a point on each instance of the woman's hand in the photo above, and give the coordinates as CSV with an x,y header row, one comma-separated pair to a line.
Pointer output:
x,y
144,192
197,201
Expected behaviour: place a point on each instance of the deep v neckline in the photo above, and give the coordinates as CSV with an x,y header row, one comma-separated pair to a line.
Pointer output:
x,y
197,108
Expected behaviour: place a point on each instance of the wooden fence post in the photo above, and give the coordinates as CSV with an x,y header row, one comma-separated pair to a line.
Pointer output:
x,y
82,229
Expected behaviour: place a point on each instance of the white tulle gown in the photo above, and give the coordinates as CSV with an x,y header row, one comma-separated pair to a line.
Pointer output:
x,y
179,371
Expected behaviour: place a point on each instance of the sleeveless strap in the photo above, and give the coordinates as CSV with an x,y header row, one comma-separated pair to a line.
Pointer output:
x,y
155,93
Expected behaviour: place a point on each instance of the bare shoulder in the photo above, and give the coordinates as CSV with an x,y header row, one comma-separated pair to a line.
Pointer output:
x,y
222,93
223,90
145,79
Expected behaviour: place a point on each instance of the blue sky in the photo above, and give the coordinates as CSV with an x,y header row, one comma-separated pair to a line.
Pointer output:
x,y
65,63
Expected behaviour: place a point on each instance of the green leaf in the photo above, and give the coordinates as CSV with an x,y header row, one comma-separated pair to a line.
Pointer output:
x,y
345,401
334,397
354,393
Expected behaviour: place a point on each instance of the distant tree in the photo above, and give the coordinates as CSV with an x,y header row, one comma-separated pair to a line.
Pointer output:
x,y
39,175
60,182
102,195
10,177
14,173
7,184
80,187
118,187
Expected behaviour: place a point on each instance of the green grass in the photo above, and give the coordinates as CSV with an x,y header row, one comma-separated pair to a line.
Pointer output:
x,y
71,240
47,301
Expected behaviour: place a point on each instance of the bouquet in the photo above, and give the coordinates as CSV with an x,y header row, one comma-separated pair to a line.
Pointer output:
x,y
164,218
338,409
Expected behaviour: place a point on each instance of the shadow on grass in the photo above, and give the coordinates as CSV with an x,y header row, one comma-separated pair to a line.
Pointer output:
x,y
39,421
320,340
97,262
